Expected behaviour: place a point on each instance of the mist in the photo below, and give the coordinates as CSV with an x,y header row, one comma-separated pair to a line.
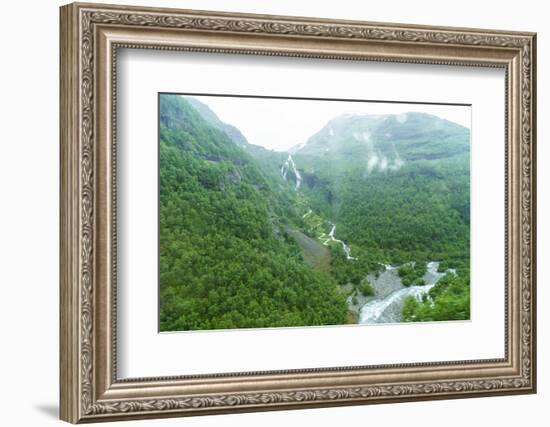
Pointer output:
x,y
280,124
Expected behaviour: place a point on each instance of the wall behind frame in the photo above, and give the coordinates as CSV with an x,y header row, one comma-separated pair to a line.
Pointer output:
x,y
29,174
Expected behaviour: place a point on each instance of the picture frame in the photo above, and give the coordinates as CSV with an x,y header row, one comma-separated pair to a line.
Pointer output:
x,y
91,37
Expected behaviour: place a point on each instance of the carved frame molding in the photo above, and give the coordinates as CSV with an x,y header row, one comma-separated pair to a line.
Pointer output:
x,y
90,36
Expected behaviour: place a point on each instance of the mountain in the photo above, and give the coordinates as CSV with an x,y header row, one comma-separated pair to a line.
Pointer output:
x,y
267,159
365,145
386,142
227,256
212,119
398,186
250,237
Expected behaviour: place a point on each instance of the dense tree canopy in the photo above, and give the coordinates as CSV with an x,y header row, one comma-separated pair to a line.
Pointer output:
x,y
239,247
225,259
449,299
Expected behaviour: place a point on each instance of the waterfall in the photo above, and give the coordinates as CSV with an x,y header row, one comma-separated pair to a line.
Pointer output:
x,y
290,165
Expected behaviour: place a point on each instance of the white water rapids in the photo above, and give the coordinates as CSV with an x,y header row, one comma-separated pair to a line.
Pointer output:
x,y
388,308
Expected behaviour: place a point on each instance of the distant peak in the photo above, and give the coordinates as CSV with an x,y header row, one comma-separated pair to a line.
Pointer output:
x,y
386,142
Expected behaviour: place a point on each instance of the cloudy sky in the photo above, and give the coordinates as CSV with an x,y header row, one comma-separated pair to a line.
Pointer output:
x,y
279,124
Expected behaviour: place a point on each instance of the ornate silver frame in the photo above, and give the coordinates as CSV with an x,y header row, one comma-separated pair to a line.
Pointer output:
x,y
90,36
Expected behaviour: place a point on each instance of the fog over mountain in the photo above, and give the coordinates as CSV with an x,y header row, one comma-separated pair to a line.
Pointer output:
x,y
278,123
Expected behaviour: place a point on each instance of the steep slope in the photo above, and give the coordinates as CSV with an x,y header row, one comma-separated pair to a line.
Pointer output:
x,y
209,116
241,224
268,160
396,184
288,204
226,258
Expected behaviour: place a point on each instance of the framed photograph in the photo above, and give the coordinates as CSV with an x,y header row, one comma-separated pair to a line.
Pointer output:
x,y
266,212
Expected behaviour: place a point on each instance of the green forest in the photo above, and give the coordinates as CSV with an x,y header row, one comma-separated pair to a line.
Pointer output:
x,y
226,260
242,247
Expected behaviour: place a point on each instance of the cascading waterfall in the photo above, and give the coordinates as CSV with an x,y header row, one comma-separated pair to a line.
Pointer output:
x,y
290,165
331,237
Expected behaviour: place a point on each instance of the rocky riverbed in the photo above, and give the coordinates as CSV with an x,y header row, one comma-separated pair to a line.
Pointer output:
x,y
385,306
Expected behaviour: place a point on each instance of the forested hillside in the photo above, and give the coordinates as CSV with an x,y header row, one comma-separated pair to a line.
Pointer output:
x,y
254,238
399,188
226,261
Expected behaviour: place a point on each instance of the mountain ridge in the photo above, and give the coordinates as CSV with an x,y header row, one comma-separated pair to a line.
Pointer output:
x,y
387,141
397,186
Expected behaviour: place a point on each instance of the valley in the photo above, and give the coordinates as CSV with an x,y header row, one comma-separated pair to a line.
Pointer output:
x,y
365,222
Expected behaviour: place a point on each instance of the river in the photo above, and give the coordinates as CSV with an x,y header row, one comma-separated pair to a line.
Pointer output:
x,y
386,306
